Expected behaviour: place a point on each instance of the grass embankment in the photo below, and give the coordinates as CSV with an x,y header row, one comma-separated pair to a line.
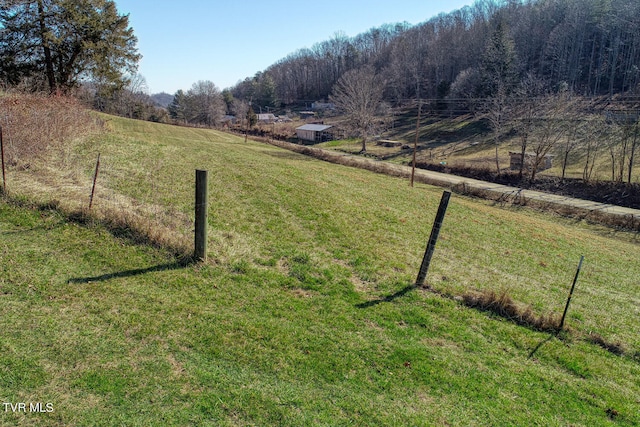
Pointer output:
x,y
304,315
464,142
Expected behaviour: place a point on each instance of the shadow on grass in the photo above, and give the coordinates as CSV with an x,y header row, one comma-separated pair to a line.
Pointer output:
x,y
388,298
25,231
543,342
133,272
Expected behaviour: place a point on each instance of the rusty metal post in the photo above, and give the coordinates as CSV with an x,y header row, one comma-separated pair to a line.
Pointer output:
x,y
575,280
202,195
433,239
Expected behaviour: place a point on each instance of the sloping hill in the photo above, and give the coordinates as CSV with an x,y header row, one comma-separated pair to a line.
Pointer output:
x,y
305,314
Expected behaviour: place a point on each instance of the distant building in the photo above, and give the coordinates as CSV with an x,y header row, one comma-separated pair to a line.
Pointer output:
x,y
314,133
267,118
529,159
323,106
627,117
229,119
389,143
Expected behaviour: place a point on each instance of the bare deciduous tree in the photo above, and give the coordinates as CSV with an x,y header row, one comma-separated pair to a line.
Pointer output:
x,y
593,138
550,128
635,144
204,104
624,146
497,111
240,109
526,112
358,94
575,134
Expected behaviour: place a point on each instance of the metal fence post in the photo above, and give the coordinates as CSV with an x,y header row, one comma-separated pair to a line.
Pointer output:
x,y
573,286
202,195
95,178
433,239
4,177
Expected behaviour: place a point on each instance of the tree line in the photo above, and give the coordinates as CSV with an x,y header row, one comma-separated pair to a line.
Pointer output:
x,y
531,69
83,48
508,61
592,47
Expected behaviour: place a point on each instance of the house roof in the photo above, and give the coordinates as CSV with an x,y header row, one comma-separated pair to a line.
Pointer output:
x,y
316,128
266,116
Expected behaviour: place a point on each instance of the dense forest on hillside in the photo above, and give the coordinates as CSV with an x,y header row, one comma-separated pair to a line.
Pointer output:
x,y
591,47
546,77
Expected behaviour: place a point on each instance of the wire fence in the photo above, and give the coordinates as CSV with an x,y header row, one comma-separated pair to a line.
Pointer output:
x,y
41,137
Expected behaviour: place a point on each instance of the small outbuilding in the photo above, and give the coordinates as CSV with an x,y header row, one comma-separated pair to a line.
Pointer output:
x,y
267,118
323,106
529,159
314,133
229,120
389,143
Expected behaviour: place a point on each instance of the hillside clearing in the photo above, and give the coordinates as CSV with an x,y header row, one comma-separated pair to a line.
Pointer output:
x,y
299,318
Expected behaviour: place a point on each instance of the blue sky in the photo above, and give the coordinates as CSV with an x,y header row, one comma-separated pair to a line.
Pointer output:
x,y
224,41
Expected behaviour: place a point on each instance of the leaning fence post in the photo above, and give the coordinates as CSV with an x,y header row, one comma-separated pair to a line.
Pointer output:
x,y
435,231
200,252
95,178
566,307
4,176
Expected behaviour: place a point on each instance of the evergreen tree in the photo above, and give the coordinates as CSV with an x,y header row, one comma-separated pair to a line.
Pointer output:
x,y
252,118
177,107
61,42
267,91
499,67
499,79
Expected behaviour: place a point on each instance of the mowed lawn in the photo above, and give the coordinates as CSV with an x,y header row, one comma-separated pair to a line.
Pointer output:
x,y
303,314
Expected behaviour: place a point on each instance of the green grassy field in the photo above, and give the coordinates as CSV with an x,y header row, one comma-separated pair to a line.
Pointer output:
x,y
303,314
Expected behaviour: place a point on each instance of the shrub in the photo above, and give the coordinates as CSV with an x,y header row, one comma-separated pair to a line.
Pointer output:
x,y
32,124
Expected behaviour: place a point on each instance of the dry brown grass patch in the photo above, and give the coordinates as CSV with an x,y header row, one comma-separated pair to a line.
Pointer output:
x,y
615,348
501,304
33,124
40,136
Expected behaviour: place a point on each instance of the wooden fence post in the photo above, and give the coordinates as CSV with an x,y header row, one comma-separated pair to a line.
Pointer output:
x,y
433,239
202,195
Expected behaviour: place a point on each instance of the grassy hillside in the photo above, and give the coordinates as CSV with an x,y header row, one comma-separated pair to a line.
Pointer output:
x,y
304,315
466,142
